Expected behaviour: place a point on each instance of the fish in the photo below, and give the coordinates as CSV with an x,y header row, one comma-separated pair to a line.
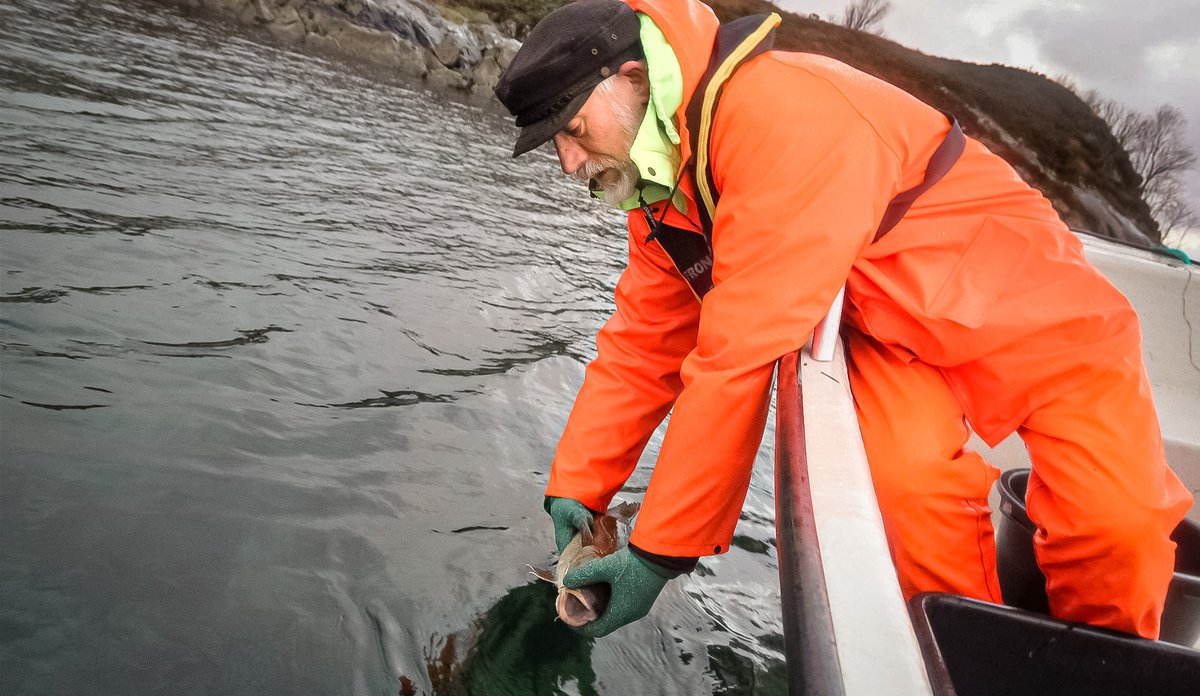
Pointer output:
x,y
608,534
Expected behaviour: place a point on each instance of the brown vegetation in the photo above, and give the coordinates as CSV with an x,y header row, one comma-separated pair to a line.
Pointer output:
x,y
866,15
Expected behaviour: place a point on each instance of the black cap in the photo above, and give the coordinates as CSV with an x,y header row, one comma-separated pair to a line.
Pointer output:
x,y
565,56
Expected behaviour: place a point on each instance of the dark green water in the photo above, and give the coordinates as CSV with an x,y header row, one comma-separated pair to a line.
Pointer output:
x,y
284,353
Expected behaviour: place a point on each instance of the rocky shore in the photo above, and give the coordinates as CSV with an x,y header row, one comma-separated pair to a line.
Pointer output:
x,y
445,47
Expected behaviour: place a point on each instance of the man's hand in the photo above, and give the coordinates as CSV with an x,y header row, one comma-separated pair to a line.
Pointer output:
x,y
570,518
635,585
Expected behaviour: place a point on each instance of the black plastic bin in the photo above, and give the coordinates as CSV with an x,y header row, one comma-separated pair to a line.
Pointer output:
x,y
974,648
1023,585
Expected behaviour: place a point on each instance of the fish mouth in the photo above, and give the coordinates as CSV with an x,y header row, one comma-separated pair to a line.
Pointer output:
x,y
582,605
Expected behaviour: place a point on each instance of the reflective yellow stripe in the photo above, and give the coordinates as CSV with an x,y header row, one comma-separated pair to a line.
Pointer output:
x,y
710,95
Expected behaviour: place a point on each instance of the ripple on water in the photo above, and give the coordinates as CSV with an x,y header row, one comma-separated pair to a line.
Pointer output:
x,y
284,352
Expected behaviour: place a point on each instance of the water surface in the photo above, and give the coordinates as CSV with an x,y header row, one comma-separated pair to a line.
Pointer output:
x,y
284,352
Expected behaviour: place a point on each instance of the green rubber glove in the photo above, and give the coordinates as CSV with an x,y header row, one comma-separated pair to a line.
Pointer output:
x,y
570,518
635,584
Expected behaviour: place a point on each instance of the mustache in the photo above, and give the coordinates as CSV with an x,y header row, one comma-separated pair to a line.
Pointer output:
x,y
593,167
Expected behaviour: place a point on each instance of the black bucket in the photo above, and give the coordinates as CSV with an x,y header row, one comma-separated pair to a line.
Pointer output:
x,y
1023,585
974,648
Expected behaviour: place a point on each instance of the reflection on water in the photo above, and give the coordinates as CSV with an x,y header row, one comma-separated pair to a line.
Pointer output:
x,y
515,647
284,353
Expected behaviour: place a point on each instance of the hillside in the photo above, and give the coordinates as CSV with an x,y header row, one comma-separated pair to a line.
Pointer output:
x,y
1043,129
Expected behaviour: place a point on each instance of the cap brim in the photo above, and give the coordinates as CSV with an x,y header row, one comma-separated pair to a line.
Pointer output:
x,y
535,134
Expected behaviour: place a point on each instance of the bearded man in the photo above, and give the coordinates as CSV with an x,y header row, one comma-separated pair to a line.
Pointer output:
x,y
758,184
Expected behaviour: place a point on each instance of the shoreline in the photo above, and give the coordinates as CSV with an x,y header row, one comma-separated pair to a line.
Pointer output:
x,y
408,37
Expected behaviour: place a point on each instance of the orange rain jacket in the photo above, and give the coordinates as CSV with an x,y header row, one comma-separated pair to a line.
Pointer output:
x,y
980,279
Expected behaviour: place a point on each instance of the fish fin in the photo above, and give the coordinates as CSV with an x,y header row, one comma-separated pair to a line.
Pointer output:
x,y
605,537
625,511
542,574
586,534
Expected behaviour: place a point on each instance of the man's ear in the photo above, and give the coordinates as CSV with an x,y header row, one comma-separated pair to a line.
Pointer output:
x,y
639,79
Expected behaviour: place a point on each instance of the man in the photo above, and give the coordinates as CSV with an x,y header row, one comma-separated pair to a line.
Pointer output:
x,y
758,184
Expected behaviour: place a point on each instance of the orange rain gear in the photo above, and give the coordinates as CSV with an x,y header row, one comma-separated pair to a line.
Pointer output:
x,y
1107,563
980,285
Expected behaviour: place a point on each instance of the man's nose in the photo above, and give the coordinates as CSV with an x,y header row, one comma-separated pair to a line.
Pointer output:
x,y
570,154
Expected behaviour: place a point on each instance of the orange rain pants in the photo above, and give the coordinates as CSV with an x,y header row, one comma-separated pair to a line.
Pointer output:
x,y
1100,492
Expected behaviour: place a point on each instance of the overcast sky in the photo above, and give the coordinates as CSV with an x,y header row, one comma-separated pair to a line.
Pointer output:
x,y
1142,53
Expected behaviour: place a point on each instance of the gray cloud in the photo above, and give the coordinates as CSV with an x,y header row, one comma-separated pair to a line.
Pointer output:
x,y
1142,54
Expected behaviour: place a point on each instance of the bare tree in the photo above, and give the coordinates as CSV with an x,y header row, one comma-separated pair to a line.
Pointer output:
x,y
1159,152
1121,119
1067,81
1156,148
1170,209
866,15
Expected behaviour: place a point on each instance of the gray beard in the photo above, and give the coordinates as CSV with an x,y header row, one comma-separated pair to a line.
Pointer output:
x,y
620,178
616,180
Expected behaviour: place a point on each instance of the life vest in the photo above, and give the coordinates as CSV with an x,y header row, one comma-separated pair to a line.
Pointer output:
x,y
737,43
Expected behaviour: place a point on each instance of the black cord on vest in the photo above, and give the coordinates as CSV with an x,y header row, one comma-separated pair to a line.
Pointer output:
x,y
656,225
650,221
